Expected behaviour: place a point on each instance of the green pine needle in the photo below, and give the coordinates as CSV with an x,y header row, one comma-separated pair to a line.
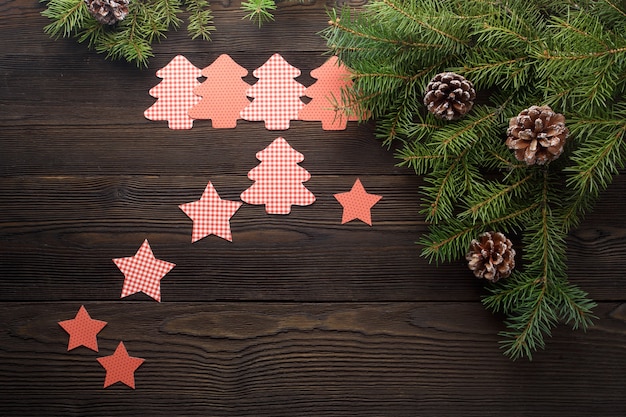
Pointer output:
x,y
259,11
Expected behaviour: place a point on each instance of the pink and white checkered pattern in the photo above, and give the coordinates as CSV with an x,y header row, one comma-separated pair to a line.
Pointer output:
x,y
278,179
175,93
276,94
211,215
143,272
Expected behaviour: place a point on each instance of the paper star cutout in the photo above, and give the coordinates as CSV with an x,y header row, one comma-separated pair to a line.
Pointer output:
x,y
83,330
357,203
143,272
120,367
210,215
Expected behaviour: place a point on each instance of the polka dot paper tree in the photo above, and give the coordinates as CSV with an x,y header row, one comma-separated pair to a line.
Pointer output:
x,y
276,94
327,105
175,93
223,92
278,179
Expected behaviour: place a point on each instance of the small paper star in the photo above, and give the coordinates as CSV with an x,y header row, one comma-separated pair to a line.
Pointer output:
x,y
143,272
210,215
357,203
83,330
120,367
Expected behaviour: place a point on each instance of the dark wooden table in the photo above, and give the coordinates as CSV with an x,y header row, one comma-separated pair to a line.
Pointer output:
x,y
299,315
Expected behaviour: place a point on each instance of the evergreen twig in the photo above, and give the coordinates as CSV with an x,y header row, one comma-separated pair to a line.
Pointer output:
x,y
131,38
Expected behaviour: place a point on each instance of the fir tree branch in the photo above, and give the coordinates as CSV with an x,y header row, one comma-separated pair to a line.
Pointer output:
x,y
569,55
259,11
336,23
411,17
67,16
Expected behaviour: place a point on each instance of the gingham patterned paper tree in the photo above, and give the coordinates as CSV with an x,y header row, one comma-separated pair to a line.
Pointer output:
x,y
223,93
327,104
276,94
278,179
175,93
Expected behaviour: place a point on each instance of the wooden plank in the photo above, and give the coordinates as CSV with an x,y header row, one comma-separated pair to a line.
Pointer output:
x,y
266,359
142,147
59,234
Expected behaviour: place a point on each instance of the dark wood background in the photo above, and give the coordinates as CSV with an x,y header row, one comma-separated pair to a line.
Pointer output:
x,y
299,315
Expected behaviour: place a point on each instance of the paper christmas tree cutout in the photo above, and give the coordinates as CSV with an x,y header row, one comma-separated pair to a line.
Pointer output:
x,y
357,203
211,215
276,94
120,367
175,93
278,179
143,272
223,93
327,105
83,330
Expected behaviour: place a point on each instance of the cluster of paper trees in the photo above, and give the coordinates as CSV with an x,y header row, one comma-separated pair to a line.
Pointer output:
x,y
276,97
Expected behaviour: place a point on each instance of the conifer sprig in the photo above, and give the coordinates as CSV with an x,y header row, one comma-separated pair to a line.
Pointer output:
x,y
518,53
130,39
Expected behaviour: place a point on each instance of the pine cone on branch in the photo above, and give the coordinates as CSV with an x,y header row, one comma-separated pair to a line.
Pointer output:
x,y
108,12
537,135
449,96
491,256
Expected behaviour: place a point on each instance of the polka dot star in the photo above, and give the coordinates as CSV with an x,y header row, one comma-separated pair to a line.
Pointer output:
x,y
120,367
357,203
83,330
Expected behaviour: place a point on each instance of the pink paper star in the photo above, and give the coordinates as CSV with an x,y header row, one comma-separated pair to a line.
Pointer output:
x,y
83,330
357,203
120,367
143,272
210,215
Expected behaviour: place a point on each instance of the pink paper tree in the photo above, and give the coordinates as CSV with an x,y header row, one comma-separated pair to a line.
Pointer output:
x,y
278,179
276,94
223,92
327,105
175,93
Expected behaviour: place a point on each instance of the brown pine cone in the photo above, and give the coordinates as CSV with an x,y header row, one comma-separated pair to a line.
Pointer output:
x,y
449,96
537,135
491,256
108,12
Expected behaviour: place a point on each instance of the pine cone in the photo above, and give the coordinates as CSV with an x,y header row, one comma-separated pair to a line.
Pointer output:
x,y
449,96
108,12
537,135
491,256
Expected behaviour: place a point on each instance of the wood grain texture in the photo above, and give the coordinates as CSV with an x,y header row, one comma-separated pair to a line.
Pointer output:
x,y
269,359
299,315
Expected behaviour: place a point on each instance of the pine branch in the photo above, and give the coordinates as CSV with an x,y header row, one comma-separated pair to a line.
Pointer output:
x,y
259,11
130,39
67,17
200,19
518,53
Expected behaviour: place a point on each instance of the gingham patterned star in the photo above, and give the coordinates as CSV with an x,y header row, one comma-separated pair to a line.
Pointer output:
x,y
276,94
211,215
143,272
